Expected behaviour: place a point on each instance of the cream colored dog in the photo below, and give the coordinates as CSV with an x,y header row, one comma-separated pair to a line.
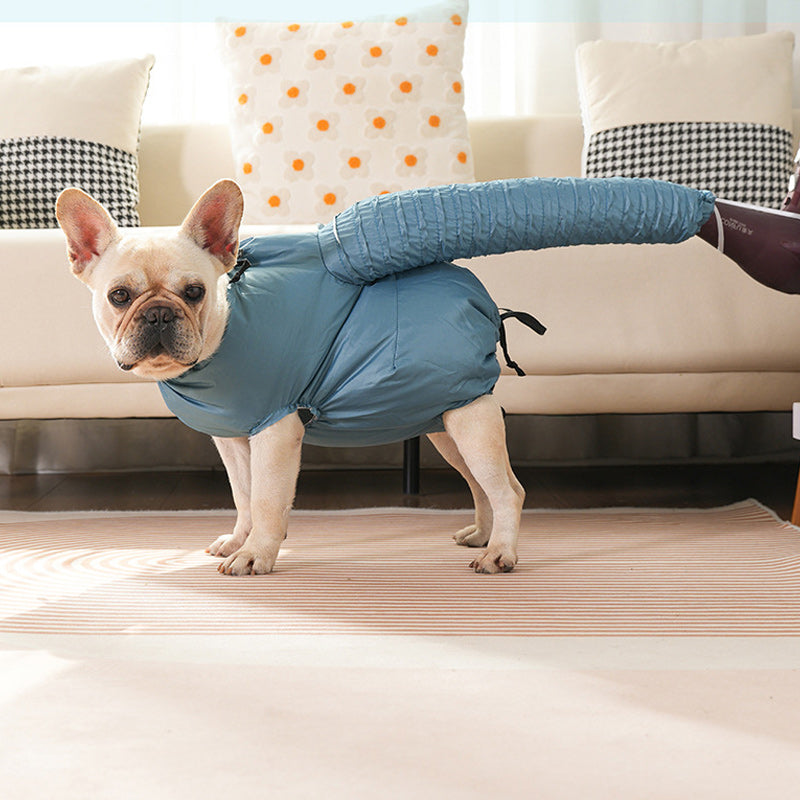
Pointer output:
x,y
160,304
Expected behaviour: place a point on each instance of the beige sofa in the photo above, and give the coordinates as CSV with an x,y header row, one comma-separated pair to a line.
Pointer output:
x,y
631,329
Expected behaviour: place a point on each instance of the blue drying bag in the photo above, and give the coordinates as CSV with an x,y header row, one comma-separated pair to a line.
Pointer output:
x,y
366,323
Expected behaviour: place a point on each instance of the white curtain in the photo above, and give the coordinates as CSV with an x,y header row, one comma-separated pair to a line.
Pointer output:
x,y
519,55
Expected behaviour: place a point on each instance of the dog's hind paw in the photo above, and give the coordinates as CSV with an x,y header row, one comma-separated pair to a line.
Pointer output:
x,y
494,561
472,536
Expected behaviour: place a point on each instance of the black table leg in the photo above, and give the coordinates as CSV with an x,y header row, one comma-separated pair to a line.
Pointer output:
x,y
411,466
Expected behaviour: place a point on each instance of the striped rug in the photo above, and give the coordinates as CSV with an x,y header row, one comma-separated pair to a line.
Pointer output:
x,y
732,571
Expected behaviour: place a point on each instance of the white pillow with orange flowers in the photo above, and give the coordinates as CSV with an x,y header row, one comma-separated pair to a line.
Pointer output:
x,y
325,114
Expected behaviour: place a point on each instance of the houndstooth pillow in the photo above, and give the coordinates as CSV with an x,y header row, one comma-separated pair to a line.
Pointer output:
x,y
64,126
745,162
35,169
711,113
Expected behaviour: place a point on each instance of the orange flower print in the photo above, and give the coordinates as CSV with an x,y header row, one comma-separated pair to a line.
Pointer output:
x,y
434,122
355,164
237,35
269,131
244,104
248,167
455,87
411,161
293,94
460,159
323,126
431,53
379,123
266,60
320,57
384,188
405,88
376,54
347,30
294,32
402,28
330,200
298,166
349,90
275,202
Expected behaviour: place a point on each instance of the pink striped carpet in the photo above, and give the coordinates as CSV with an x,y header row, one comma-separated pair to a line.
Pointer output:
x,y
732,571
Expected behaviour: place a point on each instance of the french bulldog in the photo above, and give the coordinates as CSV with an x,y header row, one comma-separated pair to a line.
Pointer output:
x,y
161,303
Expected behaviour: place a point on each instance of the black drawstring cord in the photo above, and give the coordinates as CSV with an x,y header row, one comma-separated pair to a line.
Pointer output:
x,y
526,319
242,263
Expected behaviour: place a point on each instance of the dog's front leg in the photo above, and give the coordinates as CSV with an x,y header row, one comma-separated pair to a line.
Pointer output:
x,y
235,453
274,465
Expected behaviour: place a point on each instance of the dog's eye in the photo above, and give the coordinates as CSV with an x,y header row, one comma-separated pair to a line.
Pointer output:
x,y
194,293
119,297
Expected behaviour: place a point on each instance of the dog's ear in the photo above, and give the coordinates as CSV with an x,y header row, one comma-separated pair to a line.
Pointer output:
x,y
88,227
213,222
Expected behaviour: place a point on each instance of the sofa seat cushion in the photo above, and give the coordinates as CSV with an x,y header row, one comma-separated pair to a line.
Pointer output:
x,y
617,309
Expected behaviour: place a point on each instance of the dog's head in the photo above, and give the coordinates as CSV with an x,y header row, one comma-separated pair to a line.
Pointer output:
x,y
156,298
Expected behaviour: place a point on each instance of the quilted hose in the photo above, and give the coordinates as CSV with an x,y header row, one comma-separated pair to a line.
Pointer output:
x,y
390,233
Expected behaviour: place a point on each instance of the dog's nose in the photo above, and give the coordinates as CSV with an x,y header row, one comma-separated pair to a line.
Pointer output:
x,y
159,316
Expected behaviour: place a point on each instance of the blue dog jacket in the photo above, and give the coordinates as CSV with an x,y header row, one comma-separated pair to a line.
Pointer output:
x,y
367,324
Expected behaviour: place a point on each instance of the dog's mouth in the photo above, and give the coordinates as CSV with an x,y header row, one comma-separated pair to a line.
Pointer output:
x,y
158,357
159,342
158,360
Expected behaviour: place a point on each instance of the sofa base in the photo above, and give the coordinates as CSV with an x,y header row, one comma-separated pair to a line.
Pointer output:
x,y
102,445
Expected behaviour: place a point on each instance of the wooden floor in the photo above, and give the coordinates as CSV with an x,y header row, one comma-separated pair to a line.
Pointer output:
x,y
550,487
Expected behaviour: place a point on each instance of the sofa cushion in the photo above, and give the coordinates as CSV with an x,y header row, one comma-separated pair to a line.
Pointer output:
x,y
326,114
70,126
713,114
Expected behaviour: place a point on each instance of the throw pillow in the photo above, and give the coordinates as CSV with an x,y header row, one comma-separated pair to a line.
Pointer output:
x,y
713,114
70,126
326,114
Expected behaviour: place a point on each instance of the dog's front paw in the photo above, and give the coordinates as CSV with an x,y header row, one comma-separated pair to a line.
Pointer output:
x,y
472,536
246,561
493,561
227,544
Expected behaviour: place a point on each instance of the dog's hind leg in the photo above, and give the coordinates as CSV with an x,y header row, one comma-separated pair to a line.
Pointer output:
x,y
476,535
478,432
235,453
